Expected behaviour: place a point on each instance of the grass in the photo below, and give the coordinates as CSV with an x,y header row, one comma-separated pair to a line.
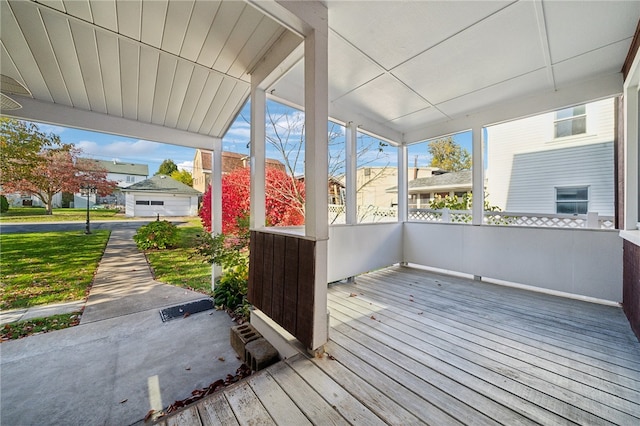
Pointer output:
x,y
48,267
38,214
180,266
26,328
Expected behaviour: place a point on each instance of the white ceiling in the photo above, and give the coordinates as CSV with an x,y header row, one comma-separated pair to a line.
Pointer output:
x,y
401,66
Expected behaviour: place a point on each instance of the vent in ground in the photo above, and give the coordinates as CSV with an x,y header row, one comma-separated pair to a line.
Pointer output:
x,y
186,309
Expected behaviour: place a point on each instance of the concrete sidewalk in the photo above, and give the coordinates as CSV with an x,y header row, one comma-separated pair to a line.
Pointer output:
x,y
122,360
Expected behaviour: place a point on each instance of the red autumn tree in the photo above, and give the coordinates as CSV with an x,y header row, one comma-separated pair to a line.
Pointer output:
x,y
59,170
284,200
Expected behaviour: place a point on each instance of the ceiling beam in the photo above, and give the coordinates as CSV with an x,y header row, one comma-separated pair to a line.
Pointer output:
x,y
46,112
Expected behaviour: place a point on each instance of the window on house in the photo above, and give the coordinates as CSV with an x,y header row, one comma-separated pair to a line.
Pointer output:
x,y
574,200
157,203
142,203
131,179
571,121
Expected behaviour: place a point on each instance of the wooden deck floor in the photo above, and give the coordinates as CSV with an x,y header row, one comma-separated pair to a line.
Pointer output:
x,y
413,347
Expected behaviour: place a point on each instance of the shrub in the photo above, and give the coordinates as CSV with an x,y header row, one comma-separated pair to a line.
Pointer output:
x,y
160,234
4,204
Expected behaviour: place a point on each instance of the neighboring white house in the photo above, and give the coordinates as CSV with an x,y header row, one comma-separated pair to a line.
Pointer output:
x,y
555,163
161,195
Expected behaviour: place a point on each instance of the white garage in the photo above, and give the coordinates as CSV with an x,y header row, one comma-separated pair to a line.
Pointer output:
x,y
161,195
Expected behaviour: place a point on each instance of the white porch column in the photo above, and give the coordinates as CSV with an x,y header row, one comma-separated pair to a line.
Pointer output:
x,y
478,176
403,197
216,200
257,197
316,101
631,156
351,159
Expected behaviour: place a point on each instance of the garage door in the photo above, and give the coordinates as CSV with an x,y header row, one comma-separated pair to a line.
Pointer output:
x,y
171,206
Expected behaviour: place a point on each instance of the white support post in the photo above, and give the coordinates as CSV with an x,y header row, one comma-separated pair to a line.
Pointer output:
x,y
317,169
403,197
477,209
351,159
446,215
631,160
592,220
258,157
216,201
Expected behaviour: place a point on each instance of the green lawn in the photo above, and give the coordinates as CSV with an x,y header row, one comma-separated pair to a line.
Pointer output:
x,y
48,267
180,266
37,214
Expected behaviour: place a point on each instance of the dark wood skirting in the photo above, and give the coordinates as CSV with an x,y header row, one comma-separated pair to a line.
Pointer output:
x,y
631,285
281,281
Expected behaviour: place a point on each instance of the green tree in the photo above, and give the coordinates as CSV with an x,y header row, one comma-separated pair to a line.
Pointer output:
x,y
167,167
20,145
446,154
183,176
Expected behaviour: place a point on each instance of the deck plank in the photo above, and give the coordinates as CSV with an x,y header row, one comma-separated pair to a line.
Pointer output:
x,y
276,401
215,410
188,416
306,398
246,405
349,407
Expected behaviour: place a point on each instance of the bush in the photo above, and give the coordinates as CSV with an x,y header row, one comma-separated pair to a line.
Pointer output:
x,y
160,234
230,252
4,204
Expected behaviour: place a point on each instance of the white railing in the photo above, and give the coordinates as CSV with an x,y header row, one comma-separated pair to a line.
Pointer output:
x,y
590,220
366,214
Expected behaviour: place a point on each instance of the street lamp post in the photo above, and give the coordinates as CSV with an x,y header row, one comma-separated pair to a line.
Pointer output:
x,y
87,190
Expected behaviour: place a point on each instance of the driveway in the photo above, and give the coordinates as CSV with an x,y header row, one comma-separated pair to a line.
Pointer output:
x,y
122,360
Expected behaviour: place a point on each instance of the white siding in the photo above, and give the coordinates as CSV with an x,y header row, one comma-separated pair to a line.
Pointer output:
x,y
525,162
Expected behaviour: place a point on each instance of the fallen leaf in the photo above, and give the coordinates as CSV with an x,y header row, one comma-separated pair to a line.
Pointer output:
x,y
188,368
352,295
220,358
186,314
149,414
420,313
372,317
331,357
123,401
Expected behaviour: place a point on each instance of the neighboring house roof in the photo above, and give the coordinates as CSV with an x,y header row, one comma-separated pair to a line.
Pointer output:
x,y
444,180
162,183
232,161
124,168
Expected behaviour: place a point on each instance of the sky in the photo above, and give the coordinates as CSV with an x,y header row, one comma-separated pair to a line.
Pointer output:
x,y
287,121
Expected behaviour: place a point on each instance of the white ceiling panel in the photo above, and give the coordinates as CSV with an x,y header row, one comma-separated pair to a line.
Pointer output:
x,y
66,56
109,54
383,99
201,20
85,41
79,8
104,14
147,75
175,26
226,18
418,118
32,28
206,98
129,17
234,102
254,47
242,31
575,30
497,49
164,81
16,47
153,17
391,32
129,67
593,63
194,90
348,67
220,98
54,4
178,92
514,88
